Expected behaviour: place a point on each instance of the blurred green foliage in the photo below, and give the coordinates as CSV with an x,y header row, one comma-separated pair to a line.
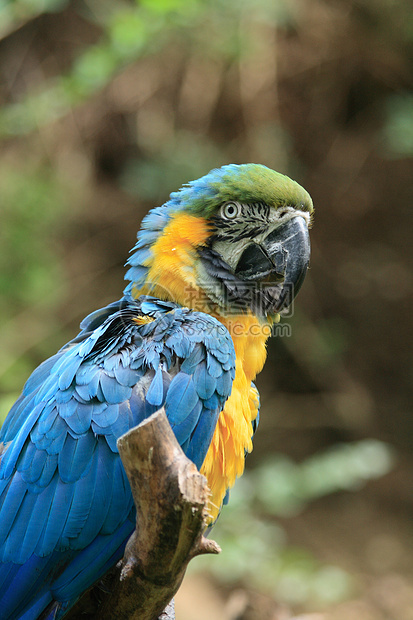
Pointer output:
x,y
398,129
131,31
181,157
283,488
15,12
33,201
255,545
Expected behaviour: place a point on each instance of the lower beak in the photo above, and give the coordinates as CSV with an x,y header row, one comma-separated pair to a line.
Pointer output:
x,y
279,262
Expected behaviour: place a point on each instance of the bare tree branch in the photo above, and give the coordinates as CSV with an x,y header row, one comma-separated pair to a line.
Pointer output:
x,y
171,498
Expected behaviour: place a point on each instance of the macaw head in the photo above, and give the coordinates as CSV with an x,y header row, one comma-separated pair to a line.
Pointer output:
x,y
234,241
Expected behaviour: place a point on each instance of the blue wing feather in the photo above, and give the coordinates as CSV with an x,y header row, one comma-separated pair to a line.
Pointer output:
x,y
38,460
202,435
26,458
154,395
66,509
34,528
205,383
192,360
181,398
75,458
12,497
185,428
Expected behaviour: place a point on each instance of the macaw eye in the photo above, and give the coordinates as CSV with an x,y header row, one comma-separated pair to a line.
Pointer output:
x,y
231,210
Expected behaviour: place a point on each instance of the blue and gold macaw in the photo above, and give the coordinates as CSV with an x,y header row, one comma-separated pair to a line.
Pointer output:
x,y
208,276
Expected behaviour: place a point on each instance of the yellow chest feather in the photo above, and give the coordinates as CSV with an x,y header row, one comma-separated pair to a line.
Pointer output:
x,y
225,458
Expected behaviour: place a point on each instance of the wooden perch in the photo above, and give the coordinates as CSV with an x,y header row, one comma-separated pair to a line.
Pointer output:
x,y
171,499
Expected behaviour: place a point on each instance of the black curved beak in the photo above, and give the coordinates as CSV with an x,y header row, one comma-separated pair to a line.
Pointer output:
x,y
280,262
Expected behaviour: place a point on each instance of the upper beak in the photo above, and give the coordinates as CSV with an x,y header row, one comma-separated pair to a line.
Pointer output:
x,y
281,260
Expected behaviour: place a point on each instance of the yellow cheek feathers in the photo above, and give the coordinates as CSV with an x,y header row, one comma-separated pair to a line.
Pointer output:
x,y
170,273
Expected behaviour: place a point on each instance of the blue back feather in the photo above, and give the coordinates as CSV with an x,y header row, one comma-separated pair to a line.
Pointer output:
x,y
66,509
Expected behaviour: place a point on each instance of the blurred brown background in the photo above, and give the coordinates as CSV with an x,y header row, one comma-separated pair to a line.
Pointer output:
x,y
108,106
